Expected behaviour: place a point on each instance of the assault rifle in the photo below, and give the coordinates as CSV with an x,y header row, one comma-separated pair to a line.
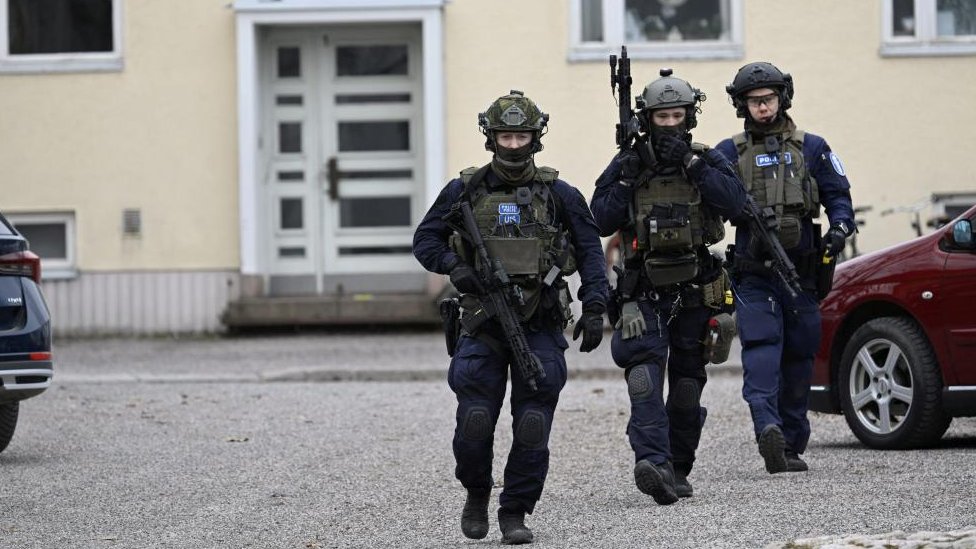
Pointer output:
x,y
502,296
620,79
763,224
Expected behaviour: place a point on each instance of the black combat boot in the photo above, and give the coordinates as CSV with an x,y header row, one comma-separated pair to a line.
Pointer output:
x,y
656,481
514,530
794,463
474,517
681,485
772,448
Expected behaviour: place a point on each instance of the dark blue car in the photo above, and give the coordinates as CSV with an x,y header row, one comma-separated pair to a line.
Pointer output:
x,y
25,329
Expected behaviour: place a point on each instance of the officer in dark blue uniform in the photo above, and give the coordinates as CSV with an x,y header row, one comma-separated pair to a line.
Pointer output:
x,y
794,173
541,230
667,196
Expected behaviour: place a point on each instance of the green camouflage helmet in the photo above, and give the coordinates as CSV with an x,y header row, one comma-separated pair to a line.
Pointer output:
x,y
667,92
514,113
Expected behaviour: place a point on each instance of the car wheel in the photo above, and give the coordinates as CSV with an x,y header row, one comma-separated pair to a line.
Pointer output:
x,y
8,422
890,386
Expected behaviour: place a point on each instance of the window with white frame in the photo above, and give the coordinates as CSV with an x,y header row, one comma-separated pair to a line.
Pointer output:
x,y
52,237
656,29
929,27
60,35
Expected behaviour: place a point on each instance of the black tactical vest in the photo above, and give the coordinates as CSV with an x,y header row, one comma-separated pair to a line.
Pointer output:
x,y
775,173
520,226
670,225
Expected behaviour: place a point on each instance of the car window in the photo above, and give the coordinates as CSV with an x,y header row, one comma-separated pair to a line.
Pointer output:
x,y
5,229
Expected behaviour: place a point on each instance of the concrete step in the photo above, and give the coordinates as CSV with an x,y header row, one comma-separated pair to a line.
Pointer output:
x,y
345,309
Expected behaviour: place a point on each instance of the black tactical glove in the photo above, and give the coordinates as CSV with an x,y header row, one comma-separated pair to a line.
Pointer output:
x,y
834,241
630,165
590,325
465,279
673,151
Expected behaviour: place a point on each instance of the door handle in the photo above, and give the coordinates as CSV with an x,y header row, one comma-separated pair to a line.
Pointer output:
x,y
333,175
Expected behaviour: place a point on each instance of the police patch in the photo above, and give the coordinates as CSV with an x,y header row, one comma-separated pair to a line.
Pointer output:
x,y
764,160
838,167
508,214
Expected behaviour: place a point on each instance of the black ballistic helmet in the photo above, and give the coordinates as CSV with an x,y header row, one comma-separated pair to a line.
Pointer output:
x,y
760,75
669,91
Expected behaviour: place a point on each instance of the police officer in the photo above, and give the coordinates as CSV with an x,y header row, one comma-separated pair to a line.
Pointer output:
x,y
667,197
794,173
540,229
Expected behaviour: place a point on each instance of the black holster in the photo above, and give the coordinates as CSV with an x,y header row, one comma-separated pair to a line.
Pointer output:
x,y
824,266
450,311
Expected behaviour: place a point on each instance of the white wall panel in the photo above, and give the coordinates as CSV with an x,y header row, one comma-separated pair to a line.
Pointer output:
x,y
140,303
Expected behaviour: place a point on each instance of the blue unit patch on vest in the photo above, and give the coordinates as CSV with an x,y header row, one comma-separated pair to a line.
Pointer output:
x,y
838,167
764,160
508,214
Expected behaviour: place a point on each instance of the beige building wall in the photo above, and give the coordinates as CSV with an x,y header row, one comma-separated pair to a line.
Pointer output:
x,y
894,122
159,136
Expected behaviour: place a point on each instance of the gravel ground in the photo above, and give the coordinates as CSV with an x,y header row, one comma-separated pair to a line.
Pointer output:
x,y
175,443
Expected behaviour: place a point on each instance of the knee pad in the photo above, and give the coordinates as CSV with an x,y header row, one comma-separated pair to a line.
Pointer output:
x,y
476,424
531,429
640,385
686,394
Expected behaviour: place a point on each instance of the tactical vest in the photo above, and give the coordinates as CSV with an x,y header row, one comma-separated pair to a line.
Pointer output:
x,y
520,229
776,175
670,224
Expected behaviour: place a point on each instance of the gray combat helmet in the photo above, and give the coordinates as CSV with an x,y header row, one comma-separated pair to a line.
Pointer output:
x,y
513,113
759,75
667,92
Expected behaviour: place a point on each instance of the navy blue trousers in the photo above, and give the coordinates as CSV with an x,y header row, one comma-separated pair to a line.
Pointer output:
x,y
660,431
779,338
478,376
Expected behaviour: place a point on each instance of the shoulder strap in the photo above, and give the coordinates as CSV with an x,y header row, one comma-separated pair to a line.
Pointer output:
x,y
472,178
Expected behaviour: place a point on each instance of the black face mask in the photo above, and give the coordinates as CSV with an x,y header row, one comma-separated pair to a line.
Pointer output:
x,y
514,165
679,131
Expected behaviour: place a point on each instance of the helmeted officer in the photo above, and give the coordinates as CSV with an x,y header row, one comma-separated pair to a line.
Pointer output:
x,y
667,197
541,230
794,173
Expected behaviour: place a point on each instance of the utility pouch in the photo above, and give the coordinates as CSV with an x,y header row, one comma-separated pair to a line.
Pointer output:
x,y
718,338
663,270
450,311
668,228
790,229
713,293
520,256
474,313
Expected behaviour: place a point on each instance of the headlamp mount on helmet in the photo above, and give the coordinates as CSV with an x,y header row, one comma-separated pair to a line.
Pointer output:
x,y
513,113
754,76
668,92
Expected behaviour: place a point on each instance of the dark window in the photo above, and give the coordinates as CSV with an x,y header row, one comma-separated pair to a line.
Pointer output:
x,y
289,62
291,176
374,136
903,17
290,137
293,251
371,60
59,26
393,211
48,240
285,100
291,213
592,17
662,21
376,250
354,98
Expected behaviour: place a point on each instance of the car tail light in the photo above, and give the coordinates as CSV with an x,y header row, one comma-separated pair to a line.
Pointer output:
x,y
43,355
21,264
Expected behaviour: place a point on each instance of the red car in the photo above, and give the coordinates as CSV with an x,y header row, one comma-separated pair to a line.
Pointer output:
x,y
898,349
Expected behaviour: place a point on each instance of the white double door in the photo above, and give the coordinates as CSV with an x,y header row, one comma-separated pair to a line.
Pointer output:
x,y
342,148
